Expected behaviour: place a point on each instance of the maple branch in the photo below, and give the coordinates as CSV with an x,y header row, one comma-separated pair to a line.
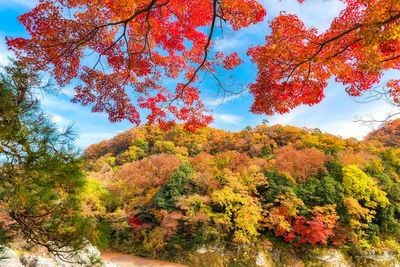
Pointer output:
x,y
146,39
355,27
145,44
345,48
77,44
375,94
326,42
205,53
220,86
92,33
308,75
137,13
129,55
321,46
391,58
178,17
106,50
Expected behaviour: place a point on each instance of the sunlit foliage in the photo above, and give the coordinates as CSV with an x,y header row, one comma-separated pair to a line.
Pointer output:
x,y
192,189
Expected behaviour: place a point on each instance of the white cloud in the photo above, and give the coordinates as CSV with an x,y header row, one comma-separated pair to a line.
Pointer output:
x,y
227,118
61,122
86,139
4,52
55,103
222,100
99,136
58,119
291,117
356,126
346,129
18,3
314,13
229,43
68,91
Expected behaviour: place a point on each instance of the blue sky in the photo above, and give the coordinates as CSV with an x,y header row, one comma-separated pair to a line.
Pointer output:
x,y
336,113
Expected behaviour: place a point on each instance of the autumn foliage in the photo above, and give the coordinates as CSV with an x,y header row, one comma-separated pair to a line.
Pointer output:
x,y
303,187
300,164
141,43
138,44
284,220
388,134
296,61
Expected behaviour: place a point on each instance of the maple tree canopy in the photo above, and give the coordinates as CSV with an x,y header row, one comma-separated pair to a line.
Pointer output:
x,y
131,46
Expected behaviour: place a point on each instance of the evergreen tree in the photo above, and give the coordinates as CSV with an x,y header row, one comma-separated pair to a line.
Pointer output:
x,y
40,170
169,194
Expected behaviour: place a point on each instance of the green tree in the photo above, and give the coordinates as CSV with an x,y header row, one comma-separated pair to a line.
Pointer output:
x,y
334,168
40,170
278,185
169,194
316,192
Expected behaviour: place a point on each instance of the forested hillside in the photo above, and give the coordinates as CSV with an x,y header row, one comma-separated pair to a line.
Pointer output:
x,y
159,193
388,135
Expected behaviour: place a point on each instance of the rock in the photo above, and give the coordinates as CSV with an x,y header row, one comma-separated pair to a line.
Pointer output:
x,y
89,256
44,262
276,255
8,258
260,261
214,249
333,258
109,264
27,260
387,257
61,263
202,250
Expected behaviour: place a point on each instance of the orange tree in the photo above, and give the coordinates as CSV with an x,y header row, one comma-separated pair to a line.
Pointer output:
x,y
139,43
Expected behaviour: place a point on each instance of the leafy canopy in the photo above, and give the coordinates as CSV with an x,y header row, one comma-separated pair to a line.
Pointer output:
x,y
138,44
142,42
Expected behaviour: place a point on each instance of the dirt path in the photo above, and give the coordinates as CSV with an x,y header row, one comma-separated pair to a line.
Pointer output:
x,y
124,260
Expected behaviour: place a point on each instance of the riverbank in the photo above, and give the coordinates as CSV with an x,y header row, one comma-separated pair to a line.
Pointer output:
x,y
89,257
124,260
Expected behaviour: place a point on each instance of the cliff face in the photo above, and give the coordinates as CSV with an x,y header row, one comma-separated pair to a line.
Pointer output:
x,y
274,256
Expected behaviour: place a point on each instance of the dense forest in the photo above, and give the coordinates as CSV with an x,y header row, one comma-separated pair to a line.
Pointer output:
x,y
154,192
172,187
